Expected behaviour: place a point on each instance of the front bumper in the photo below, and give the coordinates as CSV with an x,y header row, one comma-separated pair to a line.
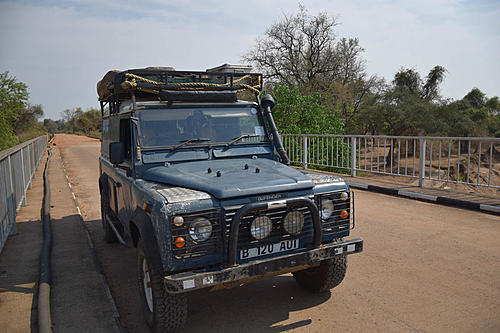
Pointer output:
x,y
188,281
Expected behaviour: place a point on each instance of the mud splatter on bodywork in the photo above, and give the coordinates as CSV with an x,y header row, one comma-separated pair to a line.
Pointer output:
x,y
323,179
175,194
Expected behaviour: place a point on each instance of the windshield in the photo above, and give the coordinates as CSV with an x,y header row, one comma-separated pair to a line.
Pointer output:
x,y
169,127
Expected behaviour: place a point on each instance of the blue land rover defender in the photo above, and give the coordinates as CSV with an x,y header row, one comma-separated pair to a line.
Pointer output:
x,y
198,180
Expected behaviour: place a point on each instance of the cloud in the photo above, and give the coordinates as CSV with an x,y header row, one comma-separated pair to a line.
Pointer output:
x,y
61,55
60,49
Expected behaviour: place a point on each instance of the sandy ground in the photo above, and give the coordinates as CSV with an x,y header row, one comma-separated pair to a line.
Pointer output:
x,y
425,268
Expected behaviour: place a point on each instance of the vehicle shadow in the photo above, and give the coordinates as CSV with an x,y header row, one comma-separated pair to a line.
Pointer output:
x,y
255,307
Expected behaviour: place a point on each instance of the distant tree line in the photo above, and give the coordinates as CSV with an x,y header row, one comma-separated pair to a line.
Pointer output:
x,y
321,86
20,120
77,121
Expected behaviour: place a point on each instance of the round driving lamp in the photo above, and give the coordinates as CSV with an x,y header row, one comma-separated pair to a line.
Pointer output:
x,y
326,209
261,227
344,196
178,221
293,222
200,229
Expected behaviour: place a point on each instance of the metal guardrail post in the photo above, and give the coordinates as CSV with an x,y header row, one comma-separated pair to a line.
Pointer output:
x,y
353,156
421,176
29,165
23,202
11,218
304,151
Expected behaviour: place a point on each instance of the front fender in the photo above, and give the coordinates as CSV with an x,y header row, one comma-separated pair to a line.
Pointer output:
x,y
143,222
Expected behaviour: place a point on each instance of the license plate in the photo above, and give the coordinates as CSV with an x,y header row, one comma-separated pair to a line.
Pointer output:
x,y
262,250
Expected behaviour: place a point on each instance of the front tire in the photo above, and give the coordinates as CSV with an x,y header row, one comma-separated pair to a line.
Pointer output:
x,y
163,312
324,277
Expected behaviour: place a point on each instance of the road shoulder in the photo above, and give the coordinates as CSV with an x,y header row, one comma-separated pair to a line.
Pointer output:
x,y
79,301
20,262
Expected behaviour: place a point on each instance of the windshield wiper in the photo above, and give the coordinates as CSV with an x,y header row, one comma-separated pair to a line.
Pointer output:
x,y
186,142
244,136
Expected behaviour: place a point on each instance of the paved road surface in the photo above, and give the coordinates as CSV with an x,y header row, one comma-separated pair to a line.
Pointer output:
x,y
426,268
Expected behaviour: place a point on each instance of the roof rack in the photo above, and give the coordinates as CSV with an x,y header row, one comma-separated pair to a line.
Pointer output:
x,y
149,82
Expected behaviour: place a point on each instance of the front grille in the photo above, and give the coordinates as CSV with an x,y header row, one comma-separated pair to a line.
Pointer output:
x,y
332,228
192,249
278,232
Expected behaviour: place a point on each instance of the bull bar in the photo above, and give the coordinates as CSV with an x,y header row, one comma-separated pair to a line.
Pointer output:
x,y
192,280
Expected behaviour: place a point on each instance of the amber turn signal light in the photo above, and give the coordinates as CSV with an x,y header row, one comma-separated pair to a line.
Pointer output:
x,y
146,207
344,214
180,242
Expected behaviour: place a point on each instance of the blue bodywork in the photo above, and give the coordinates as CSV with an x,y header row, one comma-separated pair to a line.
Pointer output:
x,y
212,181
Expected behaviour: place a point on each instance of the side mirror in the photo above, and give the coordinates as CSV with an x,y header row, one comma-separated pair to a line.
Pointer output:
x,y
116,152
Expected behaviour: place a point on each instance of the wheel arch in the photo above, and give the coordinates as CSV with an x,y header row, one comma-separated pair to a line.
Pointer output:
x,y
141,227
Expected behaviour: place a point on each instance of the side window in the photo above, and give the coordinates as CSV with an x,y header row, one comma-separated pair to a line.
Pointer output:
x,y
105,137
125,136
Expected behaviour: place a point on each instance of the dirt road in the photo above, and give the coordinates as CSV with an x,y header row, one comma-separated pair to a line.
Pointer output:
x,y
425,268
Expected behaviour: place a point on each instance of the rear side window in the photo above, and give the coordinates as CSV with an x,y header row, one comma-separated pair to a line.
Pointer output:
x,y
125,136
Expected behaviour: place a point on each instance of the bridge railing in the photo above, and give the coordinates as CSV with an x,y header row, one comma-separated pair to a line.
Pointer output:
x,y
459,160
17,167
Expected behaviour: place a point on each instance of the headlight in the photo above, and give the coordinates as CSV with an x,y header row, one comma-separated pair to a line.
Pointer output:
x,y
200,229
261,227
344,196
326,208
293,222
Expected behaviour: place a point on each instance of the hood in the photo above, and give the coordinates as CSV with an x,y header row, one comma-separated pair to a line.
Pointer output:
x,y
262,176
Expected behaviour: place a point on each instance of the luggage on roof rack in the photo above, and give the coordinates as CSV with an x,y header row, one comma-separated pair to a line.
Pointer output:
x,y
147,83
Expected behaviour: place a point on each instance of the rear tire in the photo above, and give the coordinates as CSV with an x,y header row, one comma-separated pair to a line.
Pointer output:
x,y
109,234
324,277
163,312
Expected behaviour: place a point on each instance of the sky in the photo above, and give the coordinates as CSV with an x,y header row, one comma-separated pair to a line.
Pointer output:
x,y
60,49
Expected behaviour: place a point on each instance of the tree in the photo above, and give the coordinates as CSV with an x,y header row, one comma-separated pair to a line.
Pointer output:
x,y
50,125
430,90
303,114
303,51
27,118
476,98
89,121
406,107
409,81
70,116
473,115
13,99
81,122
298,49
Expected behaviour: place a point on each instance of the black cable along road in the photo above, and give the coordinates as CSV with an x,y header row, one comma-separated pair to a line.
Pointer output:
x,y
44,319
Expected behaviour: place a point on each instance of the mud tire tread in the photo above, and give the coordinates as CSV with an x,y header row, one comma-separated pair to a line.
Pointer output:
x,y
327,276
169,310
